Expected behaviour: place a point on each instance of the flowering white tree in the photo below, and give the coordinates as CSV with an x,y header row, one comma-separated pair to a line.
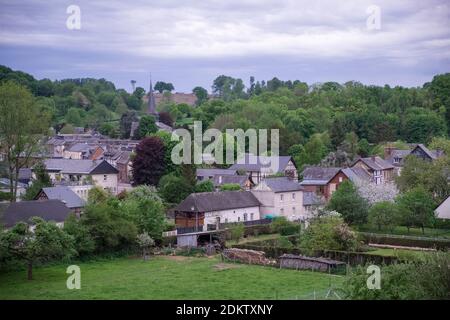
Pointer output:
x,y
145,242
374,193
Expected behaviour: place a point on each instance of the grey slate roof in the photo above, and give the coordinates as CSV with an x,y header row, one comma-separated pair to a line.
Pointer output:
x,y
375,163
356,175
282,184
49,210
80,147
79,166
318,175
216,201
66,195
213,172
255,163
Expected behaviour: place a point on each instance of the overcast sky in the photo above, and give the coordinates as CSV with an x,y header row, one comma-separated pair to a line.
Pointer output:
x,y
189,43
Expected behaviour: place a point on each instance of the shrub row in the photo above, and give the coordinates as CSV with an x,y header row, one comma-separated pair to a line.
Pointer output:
x,y
352,258
407,241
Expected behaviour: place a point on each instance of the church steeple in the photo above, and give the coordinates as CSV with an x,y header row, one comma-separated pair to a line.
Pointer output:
x,y
151,102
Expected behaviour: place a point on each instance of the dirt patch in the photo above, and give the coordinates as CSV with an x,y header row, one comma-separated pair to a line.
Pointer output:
x,y
225,266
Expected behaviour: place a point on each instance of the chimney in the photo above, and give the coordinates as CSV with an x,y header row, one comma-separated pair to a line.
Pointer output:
x,y
388,151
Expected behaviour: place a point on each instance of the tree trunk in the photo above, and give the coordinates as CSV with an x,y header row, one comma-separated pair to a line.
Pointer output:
x,y
30,271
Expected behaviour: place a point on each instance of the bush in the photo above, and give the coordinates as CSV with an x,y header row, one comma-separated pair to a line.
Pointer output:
x,y
237,231
329,232
5,196
405,241
347,201
291,229
427,279
279,223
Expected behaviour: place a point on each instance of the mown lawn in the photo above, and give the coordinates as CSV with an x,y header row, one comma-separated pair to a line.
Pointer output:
x,y
166,277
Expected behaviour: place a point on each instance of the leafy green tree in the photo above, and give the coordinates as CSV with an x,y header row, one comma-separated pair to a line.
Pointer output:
x,y
364,148
22,125
383,215
97,195
109,226
139,93
422,125
430,175
146,127
162,86
201,94
174,189
45,243
347,201
73,117
416,208
145,208
83,242
67,129
328,233
42,181
204,186
237,231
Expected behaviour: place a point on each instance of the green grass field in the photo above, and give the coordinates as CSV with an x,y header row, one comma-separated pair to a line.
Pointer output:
x,y
165,277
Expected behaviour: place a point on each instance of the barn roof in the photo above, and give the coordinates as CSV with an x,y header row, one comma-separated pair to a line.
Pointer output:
x,y
215,201
49,210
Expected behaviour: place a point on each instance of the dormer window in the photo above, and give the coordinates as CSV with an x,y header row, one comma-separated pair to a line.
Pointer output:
x,y
396,160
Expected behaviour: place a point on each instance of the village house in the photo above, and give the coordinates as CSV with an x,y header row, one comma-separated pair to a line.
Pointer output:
x,y
49,210
121,160
322,181
260,167
83,150
312,202
65,194
280,196
199,210
443,210
380,170
396,157
83,172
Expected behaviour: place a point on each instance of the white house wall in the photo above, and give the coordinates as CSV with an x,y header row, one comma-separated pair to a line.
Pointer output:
x,y
272,204
232,215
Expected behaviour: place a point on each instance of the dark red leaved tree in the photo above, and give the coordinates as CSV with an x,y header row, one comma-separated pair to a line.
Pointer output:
x,y
166,118
148,163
